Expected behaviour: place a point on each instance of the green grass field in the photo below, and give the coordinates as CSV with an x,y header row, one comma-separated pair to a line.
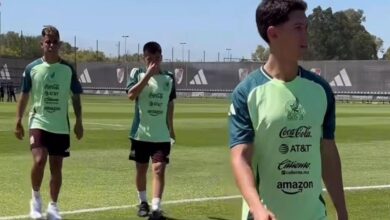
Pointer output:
x,y
99,175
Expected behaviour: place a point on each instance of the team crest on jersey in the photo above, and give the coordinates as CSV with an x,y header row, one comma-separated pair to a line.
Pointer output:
x,y
166,86
295,110
51,77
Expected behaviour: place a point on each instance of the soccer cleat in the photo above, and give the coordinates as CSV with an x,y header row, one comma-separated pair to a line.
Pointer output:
x,y
157,215
143,209
36,208
52,212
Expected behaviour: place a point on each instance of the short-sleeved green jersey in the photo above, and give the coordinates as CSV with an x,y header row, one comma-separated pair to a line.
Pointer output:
x,y
285,121
151,106
50,86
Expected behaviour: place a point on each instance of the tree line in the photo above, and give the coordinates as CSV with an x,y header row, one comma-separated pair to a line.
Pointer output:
x,y
337,35
16,45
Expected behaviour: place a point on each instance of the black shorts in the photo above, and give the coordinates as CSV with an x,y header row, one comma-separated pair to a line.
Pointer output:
x,y
141,151
56,144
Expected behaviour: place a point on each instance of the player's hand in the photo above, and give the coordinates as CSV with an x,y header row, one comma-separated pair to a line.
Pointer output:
x,y
173,141
173,137
19,130
78,129
153,69
172,134
263,214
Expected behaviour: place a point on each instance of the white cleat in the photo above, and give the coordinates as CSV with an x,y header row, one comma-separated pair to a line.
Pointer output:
x,y
52,212
36,208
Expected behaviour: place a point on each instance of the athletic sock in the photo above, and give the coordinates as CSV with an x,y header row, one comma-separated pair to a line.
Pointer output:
x,y
142,196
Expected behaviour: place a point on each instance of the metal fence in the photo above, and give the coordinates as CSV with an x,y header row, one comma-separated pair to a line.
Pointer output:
x,y
348,79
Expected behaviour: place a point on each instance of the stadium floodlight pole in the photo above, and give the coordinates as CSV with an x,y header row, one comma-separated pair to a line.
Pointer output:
x,y
75,53
119,50
125,37
228,51
182,50
138,53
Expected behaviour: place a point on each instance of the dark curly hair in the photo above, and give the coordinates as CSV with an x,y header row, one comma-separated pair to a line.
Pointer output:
x,y
152,47
275,12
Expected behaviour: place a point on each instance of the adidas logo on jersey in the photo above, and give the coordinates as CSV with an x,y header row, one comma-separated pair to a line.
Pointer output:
x,y
4,74
199,79
84,77
341,79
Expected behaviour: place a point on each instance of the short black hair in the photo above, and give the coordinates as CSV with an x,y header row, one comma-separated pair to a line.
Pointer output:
x,y
152,47
275,12
50,30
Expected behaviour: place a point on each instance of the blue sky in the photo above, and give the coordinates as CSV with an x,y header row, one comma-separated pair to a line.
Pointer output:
x,y
204,25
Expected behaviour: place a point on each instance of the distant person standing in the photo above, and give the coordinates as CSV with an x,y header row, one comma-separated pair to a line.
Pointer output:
x,y
11,91
50,81
1,93
8,93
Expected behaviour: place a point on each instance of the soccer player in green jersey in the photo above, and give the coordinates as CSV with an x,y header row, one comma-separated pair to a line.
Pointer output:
x,y
153,90
50,81
282,125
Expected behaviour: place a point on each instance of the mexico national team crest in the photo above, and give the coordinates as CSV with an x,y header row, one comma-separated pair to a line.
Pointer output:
x,y
242,73
295,110
120,74
50,77
179,72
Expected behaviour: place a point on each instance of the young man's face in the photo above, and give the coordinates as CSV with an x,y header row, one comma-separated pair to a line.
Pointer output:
x,y
152,58
292,35
50,44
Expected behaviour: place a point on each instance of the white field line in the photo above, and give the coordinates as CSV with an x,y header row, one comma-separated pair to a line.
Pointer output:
x,y
354,188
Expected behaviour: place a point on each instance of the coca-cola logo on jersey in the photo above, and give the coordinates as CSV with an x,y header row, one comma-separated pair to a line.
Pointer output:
x,y
300,132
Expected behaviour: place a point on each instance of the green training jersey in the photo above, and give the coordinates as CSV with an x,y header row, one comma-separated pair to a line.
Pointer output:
x,y
150,121
285,122
50,86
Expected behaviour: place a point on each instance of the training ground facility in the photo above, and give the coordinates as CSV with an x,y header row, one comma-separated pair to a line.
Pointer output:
x,y
350,80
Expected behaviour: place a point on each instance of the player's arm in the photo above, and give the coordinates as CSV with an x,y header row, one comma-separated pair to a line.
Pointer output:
x,y
135,89
78,126
76,103
331,174
22,103
171,107
241,150
330,158
21,107
241,161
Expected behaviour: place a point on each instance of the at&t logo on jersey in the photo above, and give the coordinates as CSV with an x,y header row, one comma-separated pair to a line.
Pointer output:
x,y
303,148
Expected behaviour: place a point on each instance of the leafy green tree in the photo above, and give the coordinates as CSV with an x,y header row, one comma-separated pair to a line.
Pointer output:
x,y
386,56
340,36
261,53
